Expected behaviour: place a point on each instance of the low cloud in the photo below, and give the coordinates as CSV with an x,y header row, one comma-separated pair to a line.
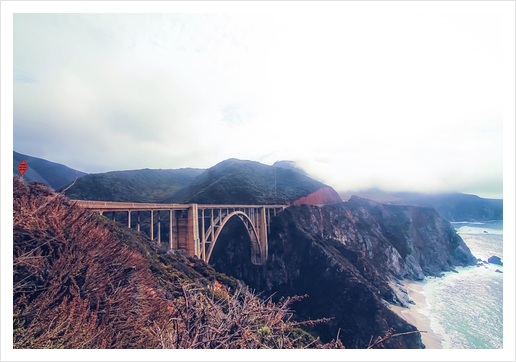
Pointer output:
x,y
358,101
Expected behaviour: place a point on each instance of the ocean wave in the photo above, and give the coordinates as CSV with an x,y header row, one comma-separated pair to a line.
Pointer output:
x,y
465,308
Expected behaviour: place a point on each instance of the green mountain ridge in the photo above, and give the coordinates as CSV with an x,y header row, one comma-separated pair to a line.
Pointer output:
x,y
50,173
240,181
145,185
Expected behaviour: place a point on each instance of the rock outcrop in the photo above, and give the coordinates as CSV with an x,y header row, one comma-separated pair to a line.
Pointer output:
x,y
495,260
346,257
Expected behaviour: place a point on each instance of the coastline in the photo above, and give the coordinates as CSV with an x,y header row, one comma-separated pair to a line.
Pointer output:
x,y
416,317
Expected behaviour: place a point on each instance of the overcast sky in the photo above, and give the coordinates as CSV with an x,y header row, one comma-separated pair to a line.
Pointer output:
x,y
359,99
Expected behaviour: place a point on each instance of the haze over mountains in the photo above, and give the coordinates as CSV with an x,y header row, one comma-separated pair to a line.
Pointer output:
x,y
453,206
238,181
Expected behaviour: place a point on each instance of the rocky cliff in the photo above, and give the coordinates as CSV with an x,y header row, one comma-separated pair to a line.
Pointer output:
x,y
347,257
405,241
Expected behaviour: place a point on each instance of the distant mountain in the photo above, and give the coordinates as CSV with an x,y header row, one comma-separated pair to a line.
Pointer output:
x,y
132,186
451,206
248,182
455,206
52,174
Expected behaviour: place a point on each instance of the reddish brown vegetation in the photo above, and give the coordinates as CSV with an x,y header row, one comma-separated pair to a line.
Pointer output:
x,y
215,319
75,285
323,196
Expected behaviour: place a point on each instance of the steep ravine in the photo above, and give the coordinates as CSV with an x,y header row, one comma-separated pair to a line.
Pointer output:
x,y
346,257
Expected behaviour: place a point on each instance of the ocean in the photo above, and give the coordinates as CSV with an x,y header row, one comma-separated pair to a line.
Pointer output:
x,y
465,309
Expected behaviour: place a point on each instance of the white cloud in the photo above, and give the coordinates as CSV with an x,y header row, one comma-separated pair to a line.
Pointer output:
x,y
359,99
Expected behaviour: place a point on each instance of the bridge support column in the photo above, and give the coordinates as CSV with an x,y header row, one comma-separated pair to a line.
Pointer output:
x,y
268,220
129,219
172,237
138,222
159,228
152,224
263,234
203,238
192,242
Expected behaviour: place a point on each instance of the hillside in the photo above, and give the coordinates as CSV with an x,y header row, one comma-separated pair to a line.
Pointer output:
x,y
132,186
451,206
83,281
350,258
247,182
52,174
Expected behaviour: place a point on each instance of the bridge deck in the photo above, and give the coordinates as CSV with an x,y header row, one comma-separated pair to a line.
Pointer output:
x,y
135,206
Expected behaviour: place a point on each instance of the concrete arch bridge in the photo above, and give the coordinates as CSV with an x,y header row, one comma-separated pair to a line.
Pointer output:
x,y
195,228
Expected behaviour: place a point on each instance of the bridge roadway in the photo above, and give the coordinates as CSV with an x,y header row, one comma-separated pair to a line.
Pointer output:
x,y
195,228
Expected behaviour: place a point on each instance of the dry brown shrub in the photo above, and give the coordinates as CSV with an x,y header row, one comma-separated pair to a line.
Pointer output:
x,y
75,285
211,319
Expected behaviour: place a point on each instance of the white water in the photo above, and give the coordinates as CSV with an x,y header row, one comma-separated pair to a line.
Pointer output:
x,y
466,308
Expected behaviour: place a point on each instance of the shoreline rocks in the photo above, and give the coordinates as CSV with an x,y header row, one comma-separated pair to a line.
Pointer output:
x,y
495,260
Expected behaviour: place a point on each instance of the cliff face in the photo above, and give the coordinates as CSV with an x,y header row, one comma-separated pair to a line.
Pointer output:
x,y
405,241
346,257
323,196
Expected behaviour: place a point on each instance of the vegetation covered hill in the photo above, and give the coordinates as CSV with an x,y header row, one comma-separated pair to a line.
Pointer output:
x,y
132,186
83,281
246,182
52,174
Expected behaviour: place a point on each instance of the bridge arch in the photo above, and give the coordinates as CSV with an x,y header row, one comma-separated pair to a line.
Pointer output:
x,y
258,251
